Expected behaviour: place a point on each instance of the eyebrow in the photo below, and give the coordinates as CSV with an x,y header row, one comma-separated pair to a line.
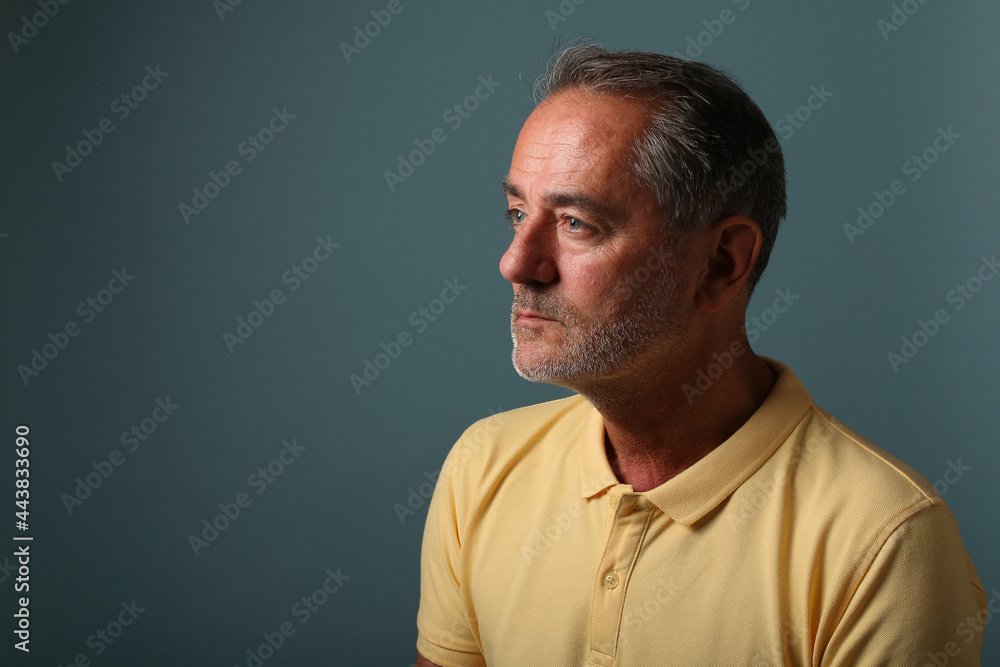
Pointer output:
x,y
576,200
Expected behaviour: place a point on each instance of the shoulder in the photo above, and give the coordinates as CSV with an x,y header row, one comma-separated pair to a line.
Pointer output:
x,y
890,546
829,465
524,444
849,463
851,495
530,417
506,436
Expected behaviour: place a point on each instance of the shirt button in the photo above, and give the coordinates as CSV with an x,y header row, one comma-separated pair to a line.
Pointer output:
x,y
614,500
610,580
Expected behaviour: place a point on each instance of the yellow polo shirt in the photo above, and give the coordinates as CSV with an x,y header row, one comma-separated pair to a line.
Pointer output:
x,y
795,542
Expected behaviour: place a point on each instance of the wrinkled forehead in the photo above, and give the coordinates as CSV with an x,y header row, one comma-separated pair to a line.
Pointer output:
x,y
580,136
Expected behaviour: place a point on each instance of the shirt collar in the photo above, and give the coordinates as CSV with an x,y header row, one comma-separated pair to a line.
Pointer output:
x,y
695,492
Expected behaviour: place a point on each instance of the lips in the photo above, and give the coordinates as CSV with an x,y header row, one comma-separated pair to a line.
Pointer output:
x,y
532,307
525,314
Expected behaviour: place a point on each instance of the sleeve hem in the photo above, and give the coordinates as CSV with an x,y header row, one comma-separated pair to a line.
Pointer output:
x,y
446,657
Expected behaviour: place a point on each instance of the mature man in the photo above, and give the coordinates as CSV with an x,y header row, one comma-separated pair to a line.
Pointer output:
x,y
690,504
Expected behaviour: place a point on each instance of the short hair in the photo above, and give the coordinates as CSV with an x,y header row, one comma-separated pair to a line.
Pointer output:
x,y
707,152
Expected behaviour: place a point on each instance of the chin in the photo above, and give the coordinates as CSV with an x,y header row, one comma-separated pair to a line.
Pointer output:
x,y
531,363
535,366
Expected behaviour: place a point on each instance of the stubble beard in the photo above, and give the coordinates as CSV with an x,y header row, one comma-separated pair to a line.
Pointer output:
x,y
590,350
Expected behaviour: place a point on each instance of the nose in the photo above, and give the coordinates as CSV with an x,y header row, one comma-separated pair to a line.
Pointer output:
x,y
530,256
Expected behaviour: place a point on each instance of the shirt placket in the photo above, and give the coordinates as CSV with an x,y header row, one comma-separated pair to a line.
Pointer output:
x,y
630,513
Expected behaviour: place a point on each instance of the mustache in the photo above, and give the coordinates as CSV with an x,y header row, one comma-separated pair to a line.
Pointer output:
x,y
542,302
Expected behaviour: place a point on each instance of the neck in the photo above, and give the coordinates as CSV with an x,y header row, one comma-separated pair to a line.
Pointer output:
x,y
657,425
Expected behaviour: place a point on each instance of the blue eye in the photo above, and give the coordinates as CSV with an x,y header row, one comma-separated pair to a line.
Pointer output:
x,y
515,216
574,223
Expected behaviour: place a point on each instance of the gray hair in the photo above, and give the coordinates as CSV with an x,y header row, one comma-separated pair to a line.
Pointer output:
x,y
707,152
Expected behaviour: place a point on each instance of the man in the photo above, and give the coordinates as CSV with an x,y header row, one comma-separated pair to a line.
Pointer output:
x,y
690,505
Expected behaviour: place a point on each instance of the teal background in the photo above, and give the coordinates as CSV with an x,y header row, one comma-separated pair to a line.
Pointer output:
x,y
323,176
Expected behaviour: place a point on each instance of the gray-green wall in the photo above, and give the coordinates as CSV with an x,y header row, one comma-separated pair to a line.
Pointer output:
x,y
358,457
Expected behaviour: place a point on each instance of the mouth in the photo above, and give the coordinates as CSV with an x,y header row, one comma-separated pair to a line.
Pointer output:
x,y
530,317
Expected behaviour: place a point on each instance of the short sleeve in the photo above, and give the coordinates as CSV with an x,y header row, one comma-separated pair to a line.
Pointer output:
x,y
920,600
444,623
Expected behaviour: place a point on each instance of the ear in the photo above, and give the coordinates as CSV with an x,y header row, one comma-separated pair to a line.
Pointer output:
x,y
731,248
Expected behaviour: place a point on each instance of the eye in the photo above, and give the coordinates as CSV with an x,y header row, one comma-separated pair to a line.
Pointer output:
x,y
575,224
515,215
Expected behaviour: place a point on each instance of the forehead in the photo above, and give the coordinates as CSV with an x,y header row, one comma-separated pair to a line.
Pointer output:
x,y
580,139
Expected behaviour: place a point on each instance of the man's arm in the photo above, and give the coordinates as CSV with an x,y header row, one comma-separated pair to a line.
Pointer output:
x,y
444,629
919,598
424,662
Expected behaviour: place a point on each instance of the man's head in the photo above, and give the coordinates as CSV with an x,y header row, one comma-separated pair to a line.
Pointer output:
x,y
630,164
707,151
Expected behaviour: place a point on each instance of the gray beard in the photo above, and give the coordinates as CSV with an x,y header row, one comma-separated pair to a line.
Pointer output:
x,y
646,313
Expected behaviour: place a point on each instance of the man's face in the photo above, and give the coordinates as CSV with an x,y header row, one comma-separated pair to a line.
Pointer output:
x,y
593,297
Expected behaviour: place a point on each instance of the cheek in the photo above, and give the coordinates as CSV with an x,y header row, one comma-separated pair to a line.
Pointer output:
x,y
596,287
